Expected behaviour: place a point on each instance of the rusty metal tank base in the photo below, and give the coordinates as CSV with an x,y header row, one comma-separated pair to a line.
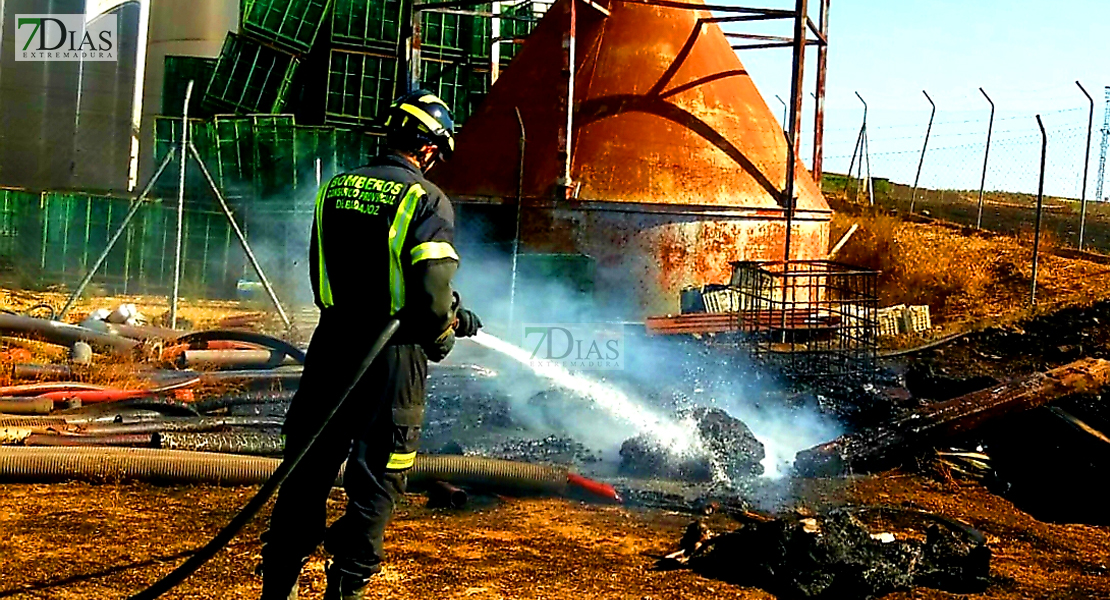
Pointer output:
x,y
677,164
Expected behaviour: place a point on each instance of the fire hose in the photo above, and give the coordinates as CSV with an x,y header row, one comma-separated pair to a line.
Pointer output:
x,y
226,534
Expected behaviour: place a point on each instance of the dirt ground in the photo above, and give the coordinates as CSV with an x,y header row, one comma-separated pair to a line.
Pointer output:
x,y
77,540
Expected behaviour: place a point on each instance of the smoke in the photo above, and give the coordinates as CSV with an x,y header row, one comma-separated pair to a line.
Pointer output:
x,y
661,376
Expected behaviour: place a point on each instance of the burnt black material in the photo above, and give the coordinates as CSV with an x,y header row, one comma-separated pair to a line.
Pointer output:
x,y
834,556
727,439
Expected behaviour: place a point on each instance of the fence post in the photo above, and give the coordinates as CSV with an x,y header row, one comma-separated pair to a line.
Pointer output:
x,y
1086,165
180,206
986,155
924,147
1040,207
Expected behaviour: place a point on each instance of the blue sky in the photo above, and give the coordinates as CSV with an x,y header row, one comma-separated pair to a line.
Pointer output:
x,y
1027,54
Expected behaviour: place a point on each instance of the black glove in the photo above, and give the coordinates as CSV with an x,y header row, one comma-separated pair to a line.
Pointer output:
x,y
466,323
438,349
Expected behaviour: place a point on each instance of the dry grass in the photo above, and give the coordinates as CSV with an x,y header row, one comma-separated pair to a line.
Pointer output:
x,y
965,277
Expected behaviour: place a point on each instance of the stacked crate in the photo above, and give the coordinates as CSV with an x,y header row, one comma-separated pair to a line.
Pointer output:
x,y
312,79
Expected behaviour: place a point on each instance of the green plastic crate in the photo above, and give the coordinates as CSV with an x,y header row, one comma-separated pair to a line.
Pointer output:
x,y
514,28
459,85
444,33
286,162
354,148
363,24
250,77
234,154
360,87
288,24
179,70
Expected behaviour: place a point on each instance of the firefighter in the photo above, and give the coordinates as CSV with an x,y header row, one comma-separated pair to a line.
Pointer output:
x,y
381,248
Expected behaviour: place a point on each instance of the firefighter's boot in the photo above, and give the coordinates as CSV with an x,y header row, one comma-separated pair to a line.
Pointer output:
x,y
345,586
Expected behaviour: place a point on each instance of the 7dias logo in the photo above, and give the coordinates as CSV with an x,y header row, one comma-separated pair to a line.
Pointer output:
x,y
65,38
596,347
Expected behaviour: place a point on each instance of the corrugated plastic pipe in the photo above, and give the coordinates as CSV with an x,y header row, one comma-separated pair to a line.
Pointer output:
x,y
180,466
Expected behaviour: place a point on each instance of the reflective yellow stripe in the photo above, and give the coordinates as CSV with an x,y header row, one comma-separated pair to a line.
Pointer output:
x,y
431,98
433,250
397,233
399,462
423,117
324,285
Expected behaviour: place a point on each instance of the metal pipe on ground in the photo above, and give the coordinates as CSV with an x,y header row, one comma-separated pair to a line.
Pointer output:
x,y
444,495
54,440
234,359
34,389
250,337
55,372
26,406
276,376
65,334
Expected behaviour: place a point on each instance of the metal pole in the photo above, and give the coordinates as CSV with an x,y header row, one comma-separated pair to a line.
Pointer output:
x,y
1086,165
414,48
852,165
568,133
924,147
519,207
862,134
796,81
986,155
785,112
819,97
242,238
1040,207
180,206
495,45
1101,177
131,211
870,180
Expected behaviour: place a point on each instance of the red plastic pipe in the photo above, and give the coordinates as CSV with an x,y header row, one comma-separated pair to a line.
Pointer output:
x,y
595,488
92,396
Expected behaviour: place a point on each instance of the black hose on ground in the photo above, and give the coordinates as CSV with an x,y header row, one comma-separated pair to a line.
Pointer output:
x,y
250,337
182,424
251,509
234,442
214,404
165,406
